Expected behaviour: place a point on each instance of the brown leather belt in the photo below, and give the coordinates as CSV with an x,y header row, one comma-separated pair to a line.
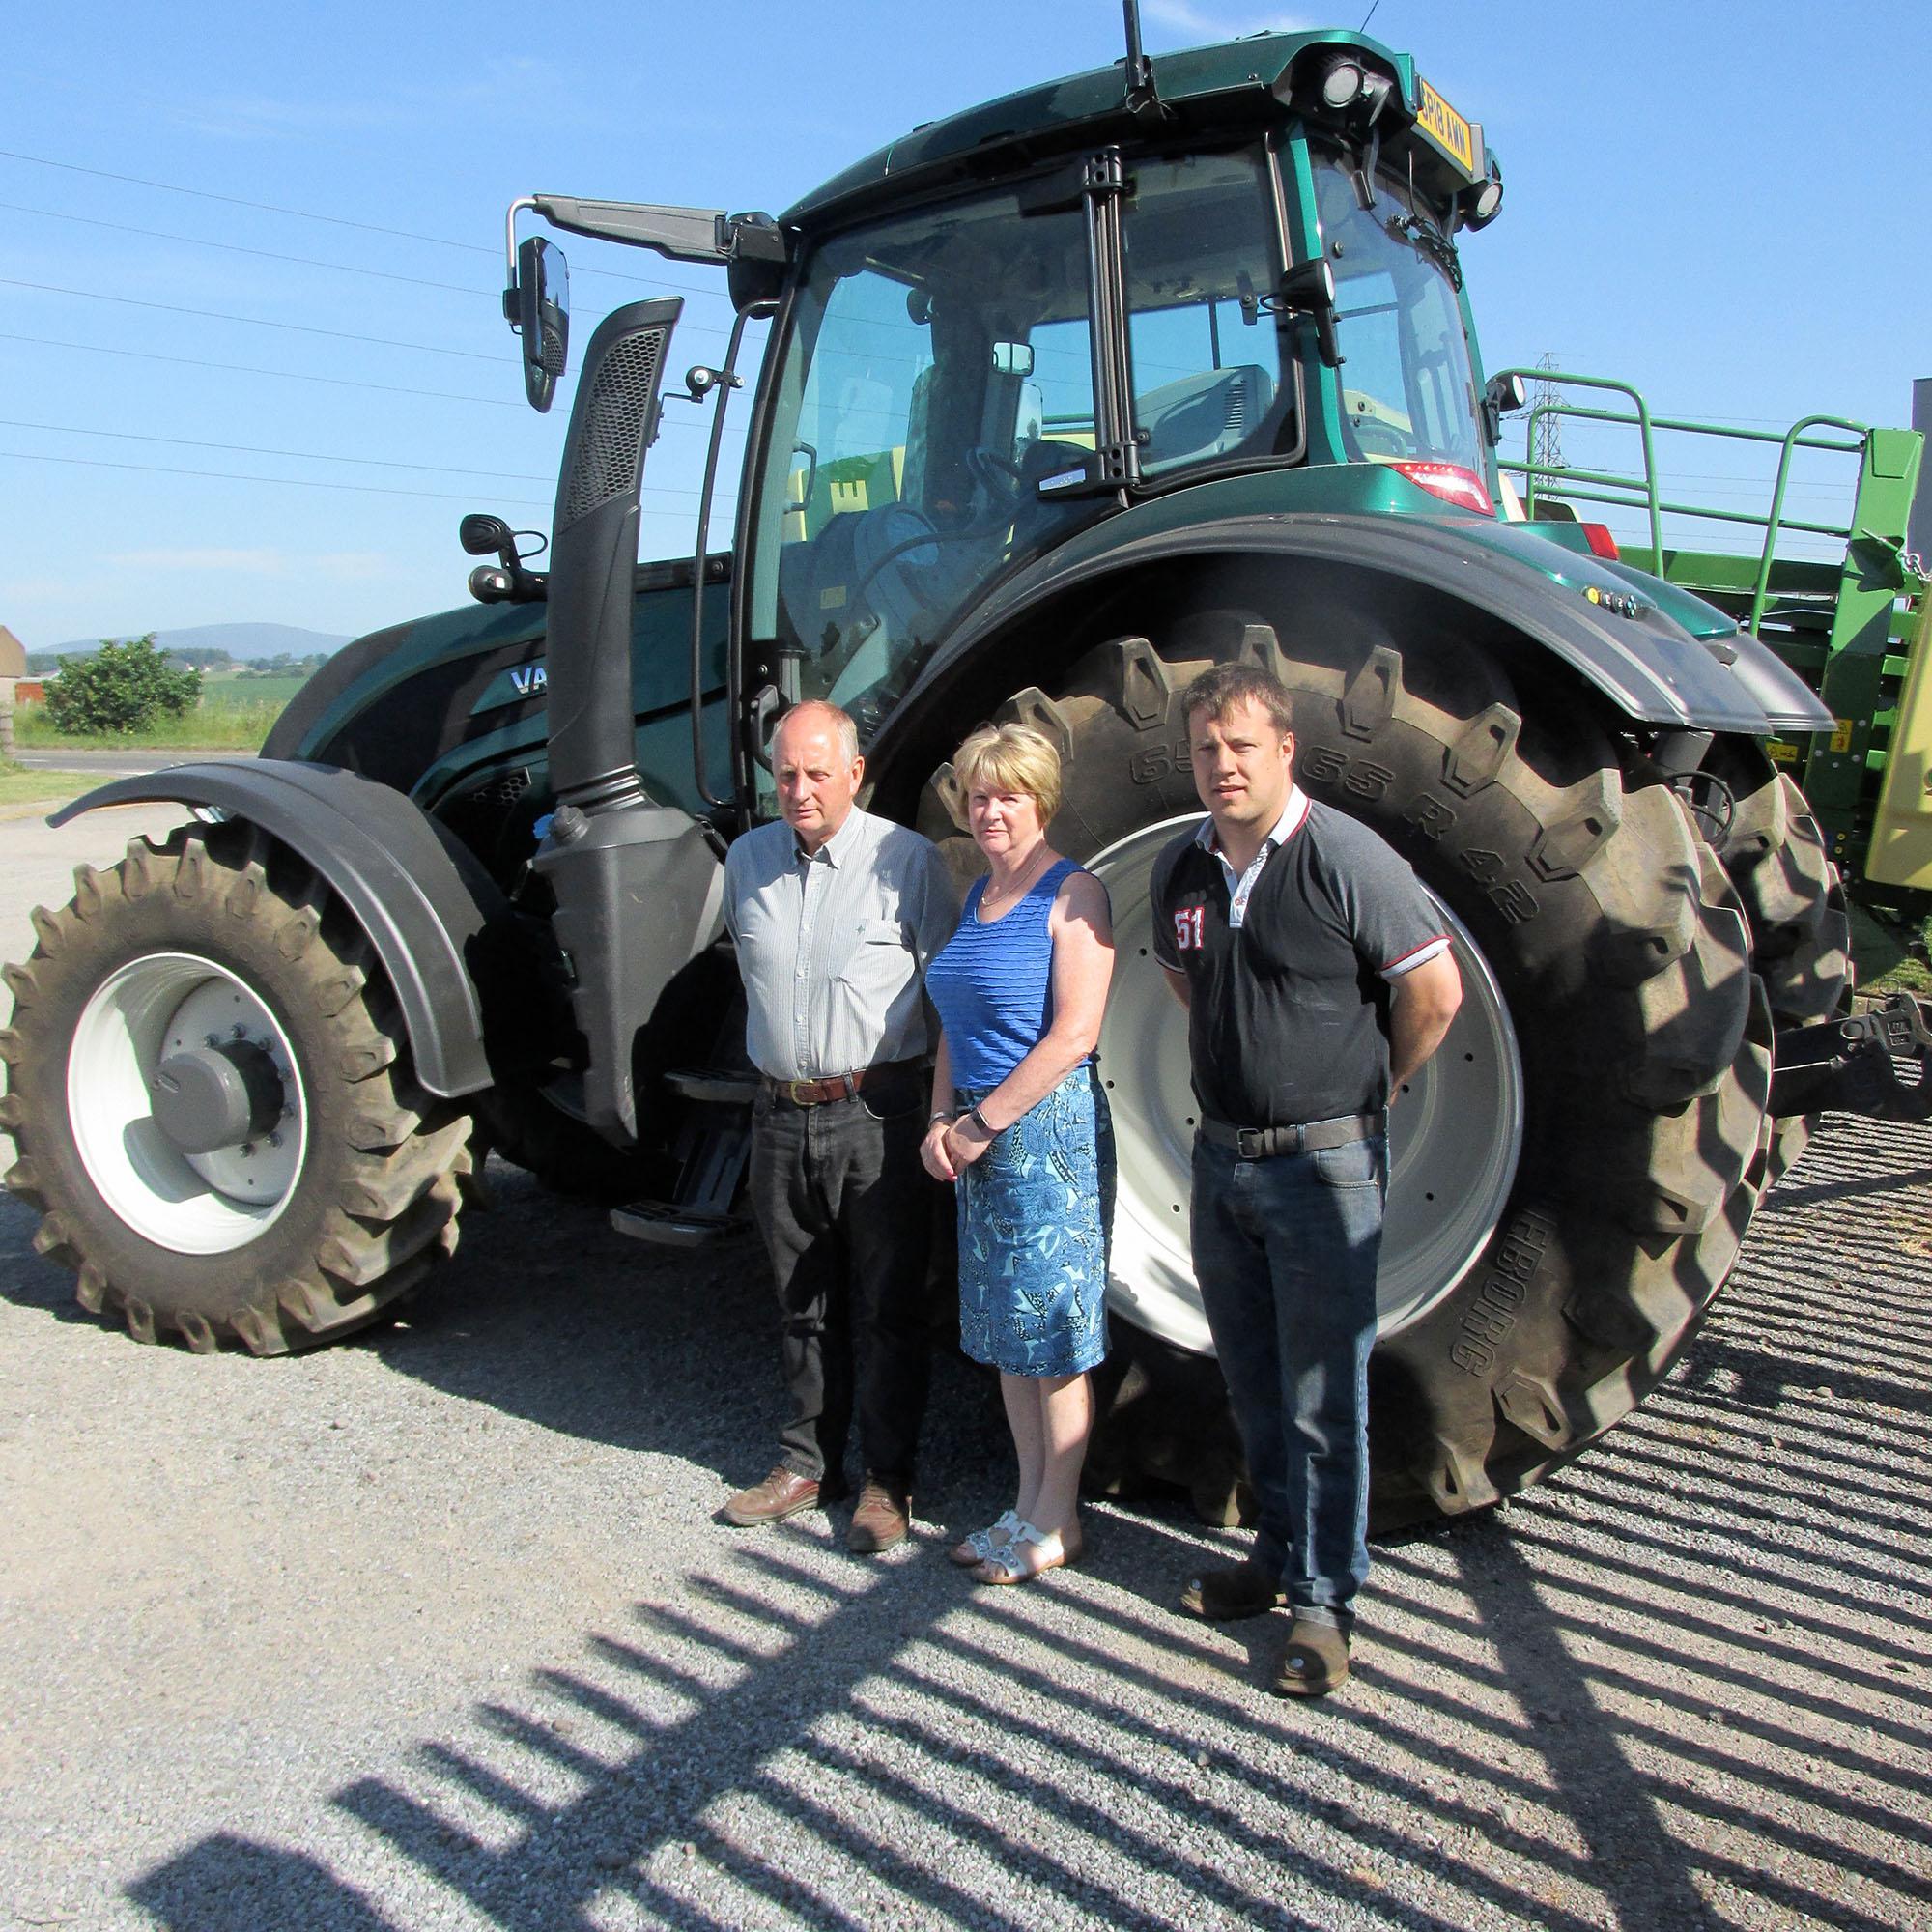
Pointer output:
x,y
834,1086
1266,1142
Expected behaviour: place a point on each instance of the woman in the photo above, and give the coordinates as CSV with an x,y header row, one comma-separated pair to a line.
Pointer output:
x,y
1020,1125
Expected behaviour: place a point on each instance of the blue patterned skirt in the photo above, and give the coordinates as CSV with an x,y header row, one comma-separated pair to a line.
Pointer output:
x,y
1034,1214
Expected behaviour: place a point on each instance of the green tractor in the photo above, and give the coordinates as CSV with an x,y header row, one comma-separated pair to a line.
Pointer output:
x,y
1064,397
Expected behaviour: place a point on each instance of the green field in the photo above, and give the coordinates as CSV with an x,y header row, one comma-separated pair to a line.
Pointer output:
x,y
226,690
19,787
218,724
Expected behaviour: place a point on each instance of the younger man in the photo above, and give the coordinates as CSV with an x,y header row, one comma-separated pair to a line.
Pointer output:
x,y
1287,928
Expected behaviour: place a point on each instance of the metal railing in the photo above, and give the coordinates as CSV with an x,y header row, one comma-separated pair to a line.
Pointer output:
x,y
1627,492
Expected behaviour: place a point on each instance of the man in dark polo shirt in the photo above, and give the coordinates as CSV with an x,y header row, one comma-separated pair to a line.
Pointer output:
x,y
1318,978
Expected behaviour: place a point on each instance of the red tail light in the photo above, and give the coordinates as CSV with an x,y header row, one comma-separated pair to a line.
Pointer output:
x,y
1450,481
1602,542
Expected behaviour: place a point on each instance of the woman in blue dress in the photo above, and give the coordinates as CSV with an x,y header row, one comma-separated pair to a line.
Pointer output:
x,y
1020,1125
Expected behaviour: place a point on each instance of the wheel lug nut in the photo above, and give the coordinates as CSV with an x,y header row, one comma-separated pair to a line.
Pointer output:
x,y
274,1139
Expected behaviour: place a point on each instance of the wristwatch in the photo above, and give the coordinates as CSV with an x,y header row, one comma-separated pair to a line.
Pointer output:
x,y
948,1115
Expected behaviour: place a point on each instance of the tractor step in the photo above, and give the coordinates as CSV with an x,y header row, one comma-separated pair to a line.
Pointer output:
x,y
668,1226
713,1146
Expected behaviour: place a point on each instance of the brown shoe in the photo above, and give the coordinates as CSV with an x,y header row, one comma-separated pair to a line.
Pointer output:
x,y
1313,1660
1231,1591
882,1517
783,1492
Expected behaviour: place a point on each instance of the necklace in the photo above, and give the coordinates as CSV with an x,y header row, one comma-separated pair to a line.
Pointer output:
x,y
992,894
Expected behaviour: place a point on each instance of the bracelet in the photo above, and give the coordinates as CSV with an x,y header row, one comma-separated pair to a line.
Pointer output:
x,y
948,1116
981,1121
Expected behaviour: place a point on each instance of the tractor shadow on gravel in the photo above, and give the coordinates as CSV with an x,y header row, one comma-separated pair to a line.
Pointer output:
x,y
1685,1683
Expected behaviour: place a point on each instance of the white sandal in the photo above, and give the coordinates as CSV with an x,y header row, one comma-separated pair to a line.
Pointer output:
x,y
1014,1565
983,1545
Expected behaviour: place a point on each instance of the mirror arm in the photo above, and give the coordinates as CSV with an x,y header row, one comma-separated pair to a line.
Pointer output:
x,y
683,233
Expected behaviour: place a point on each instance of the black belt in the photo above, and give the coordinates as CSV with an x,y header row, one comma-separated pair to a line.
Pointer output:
x,y
838,1086
1266,1142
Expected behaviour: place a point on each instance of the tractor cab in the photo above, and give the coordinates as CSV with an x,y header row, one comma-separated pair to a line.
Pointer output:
x,y
1029,317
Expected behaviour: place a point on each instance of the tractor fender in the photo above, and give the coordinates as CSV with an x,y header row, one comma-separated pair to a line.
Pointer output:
x,y
1593,619
431,917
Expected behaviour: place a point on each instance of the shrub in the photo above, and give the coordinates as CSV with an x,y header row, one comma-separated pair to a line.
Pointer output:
x,y
120,689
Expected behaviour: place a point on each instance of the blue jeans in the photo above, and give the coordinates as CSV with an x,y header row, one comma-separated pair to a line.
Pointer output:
x,y
1285,1251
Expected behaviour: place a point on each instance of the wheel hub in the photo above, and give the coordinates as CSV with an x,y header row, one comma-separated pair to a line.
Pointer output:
x,y
187,1104
1455,1134
217,1096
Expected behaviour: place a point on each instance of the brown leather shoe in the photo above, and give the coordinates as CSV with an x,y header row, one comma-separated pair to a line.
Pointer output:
x,y
783,1492
1313,1660
882,1517
1226,1592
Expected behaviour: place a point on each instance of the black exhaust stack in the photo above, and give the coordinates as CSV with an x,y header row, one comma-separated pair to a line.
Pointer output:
x,y
635,882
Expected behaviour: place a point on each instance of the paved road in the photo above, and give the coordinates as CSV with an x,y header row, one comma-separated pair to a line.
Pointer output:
x,y
123,763
436,1630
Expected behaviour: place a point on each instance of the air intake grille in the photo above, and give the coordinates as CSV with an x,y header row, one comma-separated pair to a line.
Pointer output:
x,y
615,424
1238,410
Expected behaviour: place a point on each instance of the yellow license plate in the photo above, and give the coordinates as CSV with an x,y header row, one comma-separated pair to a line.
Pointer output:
x,y
1447,128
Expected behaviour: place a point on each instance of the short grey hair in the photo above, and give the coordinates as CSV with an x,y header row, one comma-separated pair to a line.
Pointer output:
x,y
821,711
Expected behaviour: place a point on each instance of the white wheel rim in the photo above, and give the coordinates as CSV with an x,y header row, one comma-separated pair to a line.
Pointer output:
x,y
205,1204
1455,1138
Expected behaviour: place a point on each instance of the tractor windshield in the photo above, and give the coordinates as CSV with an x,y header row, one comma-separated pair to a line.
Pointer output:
x,y
939,364
1408,387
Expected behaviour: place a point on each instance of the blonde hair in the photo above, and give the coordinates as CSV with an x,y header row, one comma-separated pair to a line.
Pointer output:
x,y
1010,757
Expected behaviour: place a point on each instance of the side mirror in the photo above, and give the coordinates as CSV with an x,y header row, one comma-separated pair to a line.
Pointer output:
x,y
1013,359
1309,289
1503,395
538,307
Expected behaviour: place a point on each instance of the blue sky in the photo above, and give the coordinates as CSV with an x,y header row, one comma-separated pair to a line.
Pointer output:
x,y
1721,204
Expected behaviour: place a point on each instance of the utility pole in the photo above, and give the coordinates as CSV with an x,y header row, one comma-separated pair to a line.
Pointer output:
x,y
1548,450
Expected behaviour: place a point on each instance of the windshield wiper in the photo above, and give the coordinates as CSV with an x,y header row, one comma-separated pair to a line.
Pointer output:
x,y
1429,240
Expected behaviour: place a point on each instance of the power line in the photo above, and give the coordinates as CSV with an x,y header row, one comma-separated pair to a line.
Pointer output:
x,y
257,449
234,248
257,321
248,369
298,482
299,375
238,201
291,482
332,220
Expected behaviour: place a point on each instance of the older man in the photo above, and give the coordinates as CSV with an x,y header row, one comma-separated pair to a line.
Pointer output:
x,y
1317,979
835,915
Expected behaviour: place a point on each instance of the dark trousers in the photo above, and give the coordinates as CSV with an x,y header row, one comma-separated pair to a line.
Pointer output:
x,y
1285,1251
845,1210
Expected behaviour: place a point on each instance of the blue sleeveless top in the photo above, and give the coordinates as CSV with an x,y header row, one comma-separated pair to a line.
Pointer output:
x,y
993,985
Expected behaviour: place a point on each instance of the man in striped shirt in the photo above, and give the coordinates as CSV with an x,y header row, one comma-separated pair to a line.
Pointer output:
x,y
1318,978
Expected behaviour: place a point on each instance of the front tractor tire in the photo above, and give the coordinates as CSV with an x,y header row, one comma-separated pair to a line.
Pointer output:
x,y
1572,1172
221,963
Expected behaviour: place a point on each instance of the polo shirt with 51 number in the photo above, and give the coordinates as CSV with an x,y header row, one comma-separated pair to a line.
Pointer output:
x,y
1288,964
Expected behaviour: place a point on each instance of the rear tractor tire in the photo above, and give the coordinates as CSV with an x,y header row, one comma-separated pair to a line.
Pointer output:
x,y
1571,1174
212,990
1774,850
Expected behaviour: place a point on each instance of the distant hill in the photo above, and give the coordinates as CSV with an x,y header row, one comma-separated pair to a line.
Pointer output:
x,y
244,642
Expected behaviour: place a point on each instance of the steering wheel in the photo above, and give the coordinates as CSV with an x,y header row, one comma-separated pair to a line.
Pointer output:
x,y
976,532
999,476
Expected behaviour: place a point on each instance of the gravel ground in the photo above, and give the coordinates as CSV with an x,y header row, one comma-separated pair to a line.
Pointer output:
x,y
436,1629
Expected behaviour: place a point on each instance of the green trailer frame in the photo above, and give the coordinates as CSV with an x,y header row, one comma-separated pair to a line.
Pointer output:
x,y
1853,629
